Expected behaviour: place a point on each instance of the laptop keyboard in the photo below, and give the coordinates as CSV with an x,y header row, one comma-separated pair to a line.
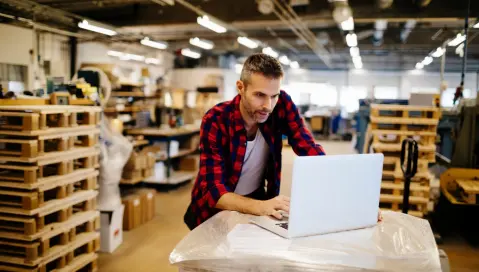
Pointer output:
x,y
283,225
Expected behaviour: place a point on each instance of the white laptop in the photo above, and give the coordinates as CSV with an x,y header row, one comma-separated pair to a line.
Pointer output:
x,y
330,194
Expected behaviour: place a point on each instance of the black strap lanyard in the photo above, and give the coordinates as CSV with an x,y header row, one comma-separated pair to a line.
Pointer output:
x,y
410,169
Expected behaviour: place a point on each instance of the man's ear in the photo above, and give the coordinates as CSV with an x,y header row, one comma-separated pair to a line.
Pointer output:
x,y
240,87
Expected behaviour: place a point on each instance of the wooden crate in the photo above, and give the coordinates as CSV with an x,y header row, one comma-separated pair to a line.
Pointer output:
x,y
33,253
417,205
17,172
30,200
31,148
32,222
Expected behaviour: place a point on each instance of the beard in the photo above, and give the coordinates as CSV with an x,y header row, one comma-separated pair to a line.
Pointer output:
x,y
259,116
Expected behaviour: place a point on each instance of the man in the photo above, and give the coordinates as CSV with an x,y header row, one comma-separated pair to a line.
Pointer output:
x,y
241,142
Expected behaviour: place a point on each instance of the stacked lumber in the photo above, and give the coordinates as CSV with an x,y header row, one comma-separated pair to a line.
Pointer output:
x,y
390,125
49,157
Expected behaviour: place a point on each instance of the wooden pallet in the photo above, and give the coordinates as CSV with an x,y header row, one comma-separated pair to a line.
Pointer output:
x,y
405,111
384,138
37,147
417,205
427,152
29,118
49,168
392,166
30,200
23,252
75,256
31,223
469,190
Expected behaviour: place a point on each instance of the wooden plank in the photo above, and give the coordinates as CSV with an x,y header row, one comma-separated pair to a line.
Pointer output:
x,y
469,186
399,199
404,132
397,147
403,121
163,132
403,108
50,181
137,143
52,157
54,205
48,131
23,102
400,186
80,262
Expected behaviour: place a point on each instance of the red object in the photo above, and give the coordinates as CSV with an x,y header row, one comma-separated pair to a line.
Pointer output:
x,y
223,147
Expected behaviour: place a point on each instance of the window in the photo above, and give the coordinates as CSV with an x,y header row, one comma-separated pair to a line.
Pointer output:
x,y
319,94
349,97
448,96
385,92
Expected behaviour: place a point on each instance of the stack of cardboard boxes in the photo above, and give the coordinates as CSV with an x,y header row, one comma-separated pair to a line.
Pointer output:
x,y
139,207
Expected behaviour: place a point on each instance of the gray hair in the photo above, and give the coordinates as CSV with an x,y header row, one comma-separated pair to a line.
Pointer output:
x,y
261,64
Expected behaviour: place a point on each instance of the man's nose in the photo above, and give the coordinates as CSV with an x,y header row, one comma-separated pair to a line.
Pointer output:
x,y
268,103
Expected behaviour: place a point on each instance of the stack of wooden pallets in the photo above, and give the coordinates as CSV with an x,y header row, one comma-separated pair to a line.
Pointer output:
x,y
48,181
390,125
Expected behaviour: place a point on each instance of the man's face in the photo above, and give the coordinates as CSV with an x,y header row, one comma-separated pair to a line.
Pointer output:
x,y
259,97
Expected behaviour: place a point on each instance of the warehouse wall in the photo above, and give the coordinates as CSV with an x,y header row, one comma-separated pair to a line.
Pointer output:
x,y
15,46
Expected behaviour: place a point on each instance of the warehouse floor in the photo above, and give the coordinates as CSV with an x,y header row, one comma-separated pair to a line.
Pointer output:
x,y
147,248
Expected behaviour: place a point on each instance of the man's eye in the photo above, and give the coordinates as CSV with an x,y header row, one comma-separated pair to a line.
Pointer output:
x,y
259,94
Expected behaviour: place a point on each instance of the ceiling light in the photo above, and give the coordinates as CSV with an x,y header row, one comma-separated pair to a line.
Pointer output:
x,y
419,65
205,44
294,65
476,25
247,42
357,59
341,11
114,53
354,51
352,40
206,22
270,51
439,52
457,40
189,53
152,61
460,50
348,25
132,57
85,25
158,45
427,60
284,60
358,64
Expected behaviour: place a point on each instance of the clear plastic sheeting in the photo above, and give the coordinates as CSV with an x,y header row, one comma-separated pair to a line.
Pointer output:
x,y
227,242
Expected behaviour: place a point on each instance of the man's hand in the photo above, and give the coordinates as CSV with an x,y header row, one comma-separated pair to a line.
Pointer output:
x,y
273,207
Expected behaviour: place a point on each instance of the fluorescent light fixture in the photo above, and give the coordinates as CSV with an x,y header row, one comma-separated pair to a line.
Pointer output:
x,y
354,51
115,53
476,25
348,25
270,51
419,65
238,68
206,22
284,60
358,65
427,60
357,59
85,25
352,40
158,45
205,44
152,61
457,40
247,42
381,24
133,57
294,65
439,52
460,50
190,53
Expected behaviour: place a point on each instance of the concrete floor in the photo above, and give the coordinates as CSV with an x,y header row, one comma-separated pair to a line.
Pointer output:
x,y
147,248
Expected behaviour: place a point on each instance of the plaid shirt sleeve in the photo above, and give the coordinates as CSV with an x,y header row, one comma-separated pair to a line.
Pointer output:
x,y
299,136
211,180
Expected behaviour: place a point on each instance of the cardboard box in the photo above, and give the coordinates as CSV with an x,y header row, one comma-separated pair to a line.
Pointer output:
x,y
132,174
150,161
132,218
148,172
190,163
111,232
174,147
136,161
147,197
192,143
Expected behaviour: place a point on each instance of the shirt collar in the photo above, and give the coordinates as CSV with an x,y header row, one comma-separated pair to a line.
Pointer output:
x,y
238,122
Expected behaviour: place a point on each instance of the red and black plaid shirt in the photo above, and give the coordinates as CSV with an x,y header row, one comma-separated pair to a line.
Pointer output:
x,y
223,147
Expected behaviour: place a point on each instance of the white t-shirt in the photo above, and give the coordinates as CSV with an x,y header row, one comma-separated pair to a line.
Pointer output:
x,y
254,164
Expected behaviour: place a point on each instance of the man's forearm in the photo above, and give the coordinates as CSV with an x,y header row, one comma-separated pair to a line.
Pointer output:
x,y
239,203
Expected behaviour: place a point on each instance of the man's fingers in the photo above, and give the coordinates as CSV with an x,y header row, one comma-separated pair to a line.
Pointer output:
x,y
277,215
281,206
284,198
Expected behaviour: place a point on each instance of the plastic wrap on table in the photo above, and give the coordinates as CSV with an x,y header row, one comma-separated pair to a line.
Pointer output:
x,y
227,242
115,150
